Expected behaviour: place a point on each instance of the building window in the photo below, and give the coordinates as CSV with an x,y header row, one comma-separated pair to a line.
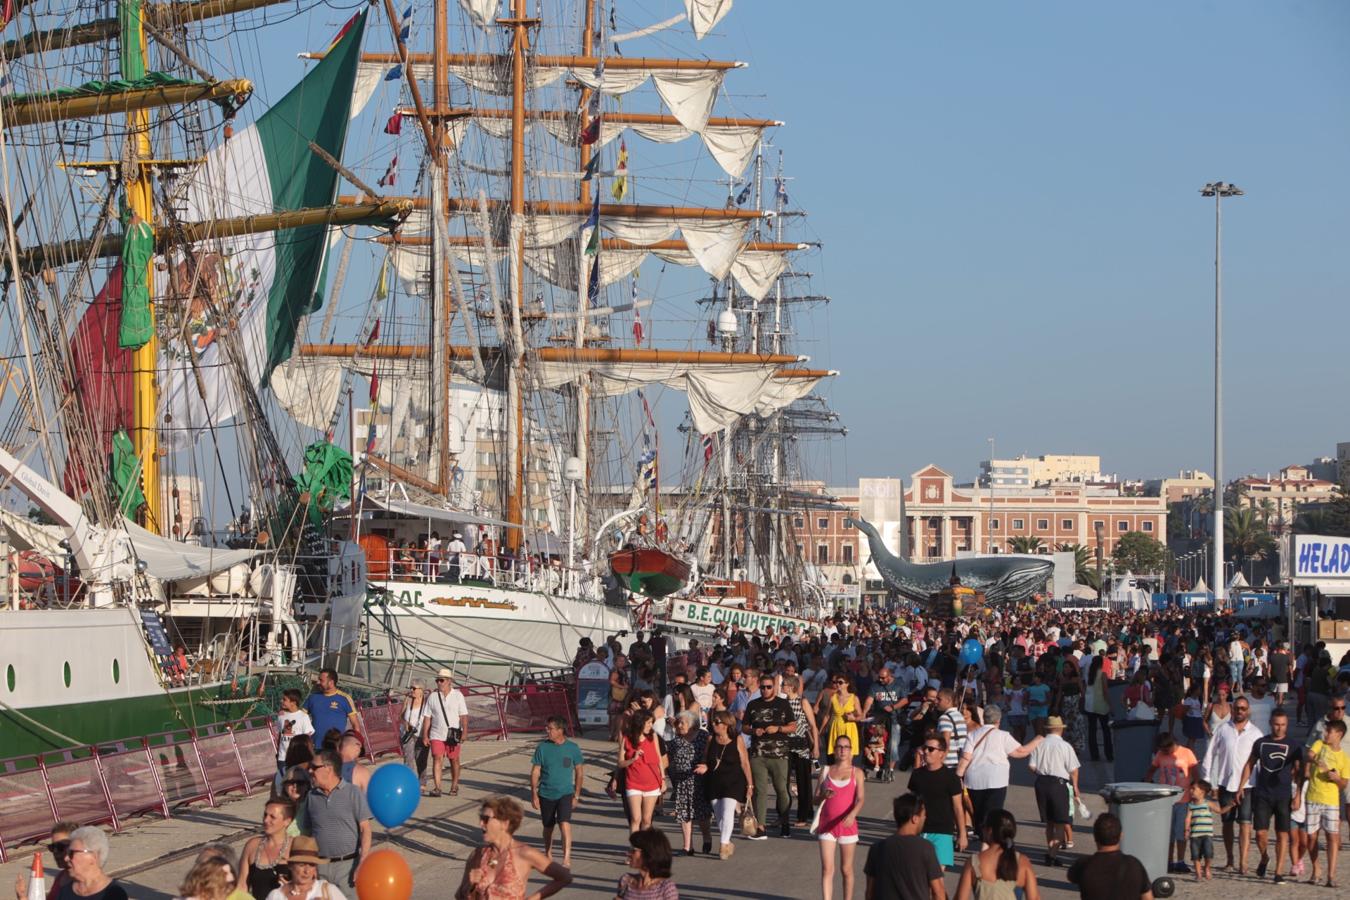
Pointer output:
x,y
1018,524
1123,525
823,523
1148,526
1066,524
848,554
799,522
1043,524
993,524
822,554
1096,525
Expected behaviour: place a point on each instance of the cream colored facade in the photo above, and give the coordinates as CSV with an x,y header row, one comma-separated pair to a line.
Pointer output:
x,y
1024,472
1279,499
1184,485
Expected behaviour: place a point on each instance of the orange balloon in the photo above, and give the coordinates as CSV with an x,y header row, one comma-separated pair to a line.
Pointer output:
x,y
384,875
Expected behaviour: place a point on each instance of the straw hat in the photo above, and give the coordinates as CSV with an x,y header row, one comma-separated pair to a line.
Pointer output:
x,y
1054,723
305,850
445,673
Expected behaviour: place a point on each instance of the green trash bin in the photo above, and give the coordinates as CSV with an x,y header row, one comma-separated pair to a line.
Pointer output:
x,y
1145,812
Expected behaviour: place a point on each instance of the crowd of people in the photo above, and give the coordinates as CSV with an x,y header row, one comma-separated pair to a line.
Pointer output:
x,y
703,736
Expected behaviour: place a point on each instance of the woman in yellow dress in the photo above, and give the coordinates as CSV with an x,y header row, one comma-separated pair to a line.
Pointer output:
x,y
844,713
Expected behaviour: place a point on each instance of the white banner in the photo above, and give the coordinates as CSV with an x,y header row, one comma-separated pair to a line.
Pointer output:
x,y
1320,558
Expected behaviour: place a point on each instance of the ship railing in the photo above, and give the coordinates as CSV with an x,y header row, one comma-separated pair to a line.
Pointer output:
x,y
113,782
414,564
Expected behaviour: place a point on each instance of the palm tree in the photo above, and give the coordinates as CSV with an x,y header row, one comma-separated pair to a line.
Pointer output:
x,y
1246,536
1084,563
1022,543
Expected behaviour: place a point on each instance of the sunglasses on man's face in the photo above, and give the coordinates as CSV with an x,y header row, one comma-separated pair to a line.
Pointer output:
x,y
59,847
927,749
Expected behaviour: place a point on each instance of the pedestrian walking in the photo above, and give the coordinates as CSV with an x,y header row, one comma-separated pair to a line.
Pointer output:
x,y
1275,771
940,788
339,820
1201,809
415,753
845,712
728,781
292,722
770,724
985,768
998,872
1328,777
687,749
1056,766
650,859
557,774
644,768
885,703
841,795
330,710
1225,758
262,860
444,724
59,845
88,858
1097,708
1174,764
805,746
905,866
1110,874
500,868
951,724
304,881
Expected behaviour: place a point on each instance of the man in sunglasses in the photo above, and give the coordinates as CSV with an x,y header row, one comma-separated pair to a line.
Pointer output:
x,y
770,723
60,848
339,819
1230,748
1335,713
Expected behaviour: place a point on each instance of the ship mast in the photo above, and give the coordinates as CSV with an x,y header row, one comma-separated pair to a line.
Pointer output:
x,y
579,521
140,200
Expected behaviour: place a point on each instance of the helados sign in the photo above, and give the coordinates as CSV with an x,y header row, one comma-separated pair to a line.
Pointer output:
x,y
692,612
1316,556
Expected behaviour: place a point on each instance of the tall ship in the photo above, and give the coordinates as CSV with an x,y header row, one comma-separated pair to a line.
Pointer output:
x,y
597,255
166,223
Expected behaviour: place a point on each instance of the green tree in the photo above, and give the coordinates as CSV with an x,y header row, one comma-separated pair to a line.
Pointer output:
x,y
1084,563
1022,543
1141,554
1246,536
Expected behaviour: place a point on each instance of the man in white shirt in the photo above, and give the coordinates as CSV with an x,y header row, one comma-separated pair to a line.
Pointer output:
x,y
454,551
1262,705
444,725
1228,752
1056,766
984,766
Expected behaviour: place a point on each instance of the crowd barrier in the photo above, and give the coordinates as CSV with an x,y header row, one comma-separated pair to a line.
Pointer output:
x,y
110,783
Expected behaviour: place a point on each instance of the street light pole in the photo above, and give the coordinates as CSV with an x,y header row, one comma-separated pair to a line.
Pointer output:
x,y
990,529
1218,190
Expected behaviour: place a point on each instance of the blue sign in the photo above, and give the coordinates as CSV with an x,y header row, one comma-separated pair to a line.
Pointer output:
x,y
1316,556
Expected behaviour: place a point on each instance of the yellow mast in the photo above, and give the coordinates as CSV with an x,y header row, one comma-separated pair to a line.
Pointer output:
x,y
140,200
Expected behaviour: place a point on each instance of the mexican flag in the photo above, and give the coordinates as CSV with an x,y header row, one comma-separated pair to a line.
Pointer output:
x,y
236,302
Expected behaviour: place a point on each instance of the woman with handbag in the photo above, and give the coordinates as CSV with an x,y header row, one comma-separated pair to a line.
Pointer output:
x,y
727,781
410,730
805,747
840,795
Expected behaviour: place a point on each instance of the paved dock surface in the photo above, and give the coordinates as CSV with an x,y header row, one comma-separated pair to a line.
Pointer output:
x,y
152,855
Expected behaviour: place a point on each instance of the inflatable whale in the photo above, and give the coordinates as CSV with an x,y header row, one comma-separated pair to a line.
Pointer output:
x,y
1002,579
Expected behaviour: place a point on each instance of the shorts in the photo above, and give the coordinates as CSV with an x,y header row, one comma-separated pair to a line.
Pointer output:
x,y
1322,817
1264,808
1280,687
1179,822
1052,799
1242,813
555,812
444,750
1202,848
632,793
945,845
843,840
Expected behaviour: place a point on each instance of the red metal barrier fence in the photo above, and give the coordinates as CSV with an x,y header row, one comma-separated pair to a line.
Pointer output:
x,y
113,782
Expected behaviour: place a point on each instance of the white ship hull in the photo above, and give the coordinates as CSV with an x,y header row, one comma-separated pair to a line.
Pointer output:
x,y
482,633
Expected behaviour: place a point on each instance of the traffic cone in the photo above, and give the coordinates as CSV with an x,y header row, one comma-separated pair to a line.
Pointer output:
x,y
37,887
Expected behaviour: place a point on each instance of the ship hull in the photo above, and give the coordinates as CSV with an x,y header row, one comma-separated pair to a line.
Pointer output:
x,y
481,632
651,572
86,675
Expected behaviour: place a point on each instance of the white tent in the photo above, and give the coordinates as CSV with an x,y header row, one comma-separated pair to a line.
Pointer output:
x,y
1238,582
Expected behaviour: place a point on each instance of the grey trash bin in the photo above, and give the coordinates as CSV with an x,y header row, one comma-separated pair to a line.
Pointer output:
x,y
1115,696
1132,741
1145,812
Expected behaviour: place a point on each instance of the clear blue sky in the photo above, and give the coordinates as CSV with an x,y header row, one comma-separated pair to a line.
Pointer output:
x,y
1014,240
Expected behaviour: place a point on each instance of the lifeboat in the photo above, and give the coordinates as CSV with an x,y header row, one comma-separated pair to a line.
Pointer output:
x,y
649,571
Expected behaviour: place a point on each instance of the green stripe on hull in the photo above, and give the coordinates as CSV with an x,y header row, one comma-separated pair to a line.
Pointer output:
x,y
101,721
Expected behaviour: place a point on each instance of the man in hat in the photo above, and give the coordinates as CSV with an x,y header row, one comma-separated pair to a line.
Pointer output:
x,y
444,724
454,552
339,820
1056,766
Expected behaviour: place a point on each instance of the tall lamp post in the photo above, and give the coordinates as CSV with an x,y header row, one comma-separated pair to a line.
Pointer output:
x,y
990,529
1218,190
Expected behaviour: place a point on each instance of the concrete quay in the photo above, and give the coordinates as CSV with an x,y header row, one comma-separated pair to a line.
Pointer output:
x,y
152,855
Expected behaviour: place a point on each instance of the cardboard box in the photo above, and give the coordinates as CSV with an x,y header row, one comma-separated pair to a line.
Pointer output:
x,y
1343,629
1326,629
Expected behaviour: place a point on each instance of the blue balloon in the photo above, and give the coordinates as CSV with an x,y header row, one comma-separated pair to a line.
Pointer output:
x,y
393,794
972,651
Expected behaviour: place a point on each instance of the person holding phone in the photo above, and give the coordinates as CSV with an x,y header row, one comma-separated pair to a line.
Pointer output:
x,y
292,721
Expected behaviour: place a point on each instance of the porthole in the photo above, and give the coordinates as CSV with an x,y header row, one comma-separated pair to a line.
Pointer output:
x,y
9,678
117,672
67,673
